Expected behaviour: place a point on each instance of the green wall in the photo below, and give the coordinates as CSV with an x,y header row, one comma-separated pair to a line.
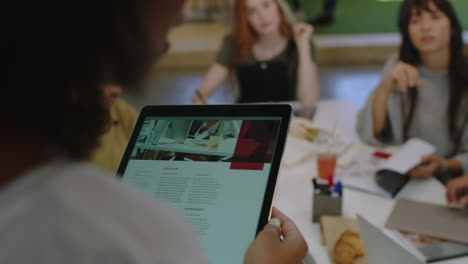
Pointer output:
x,y
369,16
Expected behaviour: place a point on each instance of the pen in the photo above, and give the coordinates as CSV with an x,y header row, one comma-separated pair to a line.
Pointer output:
x,y
201,97
317,189
330,180
338,188
314,182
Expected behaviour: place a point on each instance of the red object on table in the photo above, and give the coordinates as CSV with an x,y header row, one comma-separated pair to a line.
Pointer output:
x,y
381,155
330,180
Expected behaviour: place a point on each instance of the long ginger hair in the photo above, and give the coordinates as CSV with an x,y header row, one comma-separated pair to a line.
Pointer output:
x,y
244,36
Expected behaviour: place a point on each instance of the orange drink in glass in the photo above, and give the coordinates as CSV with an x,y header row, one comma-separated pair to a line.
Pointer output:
x,y
326,164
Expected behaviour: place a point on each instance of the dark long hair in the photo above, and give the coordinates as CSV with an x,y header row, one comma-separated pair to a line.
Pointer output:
x,y
58,55
458,68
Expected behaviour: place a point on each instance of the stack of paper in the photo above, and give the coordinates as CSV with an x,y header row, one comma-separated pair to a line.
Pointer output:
x,y
361,175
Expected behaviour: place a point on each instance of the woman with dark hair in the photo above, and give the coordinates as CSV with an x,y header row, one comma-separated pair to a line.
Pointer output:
x,y
271,56
55,208
423,91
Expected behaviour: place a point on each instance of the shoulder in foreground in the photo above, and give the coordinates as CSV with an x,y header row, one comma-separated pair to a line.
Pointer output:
x,y
124,107
92,188
95,206
124,113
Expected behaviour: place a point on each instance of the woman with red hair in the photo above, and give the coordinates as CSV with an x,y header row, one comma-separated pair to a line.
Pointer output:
x,y
271,56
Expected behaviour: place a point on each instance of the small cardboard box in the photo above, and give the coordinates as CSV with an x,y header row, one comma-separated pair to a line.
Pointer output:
x,y
326,204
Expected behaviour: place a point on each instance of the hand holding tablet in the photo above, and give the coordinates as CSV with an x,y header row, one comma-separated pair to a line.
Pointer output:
x,y
269,248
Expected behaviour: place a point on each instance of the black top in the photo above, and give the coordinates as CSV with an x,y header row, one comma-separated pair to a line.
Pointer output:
x,y
265,81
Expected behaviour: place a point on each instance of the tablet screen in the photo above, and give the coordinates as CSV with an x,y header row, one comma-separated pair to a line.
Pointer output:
x,y
214,171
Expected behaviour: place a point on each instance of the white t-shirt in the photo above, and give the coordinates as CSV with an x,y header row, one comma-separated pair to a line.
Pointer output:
x,y
68,212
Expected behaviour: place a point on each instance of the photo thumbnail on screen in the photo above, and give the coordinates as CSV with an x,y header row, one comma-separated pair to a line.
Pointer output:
x,y
236,141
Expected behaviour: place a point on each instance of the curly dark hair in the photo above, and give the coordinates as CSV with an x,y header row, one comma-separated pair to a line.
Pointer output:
x,y
458,68
58,55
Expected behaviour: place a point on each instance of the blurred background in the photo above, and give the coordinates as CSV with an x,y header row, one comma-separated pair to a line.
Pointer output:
x,y
351,50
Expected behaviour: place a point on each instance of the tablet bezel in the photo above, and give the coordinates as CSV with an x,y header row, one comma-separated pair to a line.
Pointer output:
x,y
282,111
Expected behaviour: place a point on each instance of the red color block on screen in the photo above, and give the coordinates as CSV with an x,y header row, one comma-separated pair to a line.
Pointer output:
x,y
246,166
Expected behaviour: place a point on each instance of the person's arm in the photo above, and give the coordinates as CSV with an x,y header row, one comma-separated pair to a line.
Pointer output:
x,y
379,106
210,131
402,77
212,80
453,166
269,248
307,78
457,190
434,164
217,73
456,165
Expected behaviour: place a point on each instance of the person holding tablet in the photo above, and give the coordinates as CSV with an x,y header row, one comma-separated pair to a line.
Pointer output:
x,y
423,91
272,57
55,208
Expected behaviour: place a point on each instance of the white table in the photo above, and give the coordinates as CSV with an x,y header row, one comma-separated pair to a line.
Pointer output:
x,y
294,190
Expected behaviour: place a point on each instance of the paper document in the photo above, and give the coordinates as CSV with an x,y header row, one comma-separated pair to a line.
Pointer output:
x,y
361,175
408,156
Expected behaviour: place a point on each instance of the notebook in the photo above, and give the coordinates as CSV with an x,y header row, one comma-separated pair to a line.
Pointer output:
x,y
382,249
429,219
